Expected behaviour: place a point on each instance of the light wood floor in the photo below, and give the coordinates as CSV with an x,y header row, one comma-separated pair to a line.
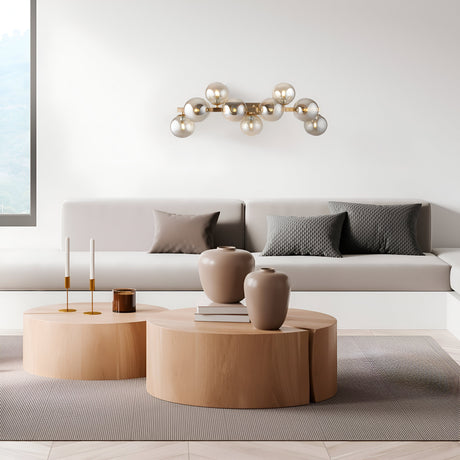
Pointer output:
x,y
284,450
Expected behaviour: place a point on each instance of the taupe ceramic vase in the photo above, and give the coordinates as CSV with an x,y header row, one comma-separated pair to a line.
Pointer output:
x,y
222,272
267,298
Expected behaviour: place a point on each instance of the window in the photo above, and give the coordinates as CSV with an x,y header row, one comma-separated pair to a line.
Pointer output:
x,y
17,112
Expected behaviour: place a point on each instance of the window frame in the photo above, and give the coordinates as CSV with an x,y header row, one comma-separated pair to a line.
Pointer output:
x,y
29,220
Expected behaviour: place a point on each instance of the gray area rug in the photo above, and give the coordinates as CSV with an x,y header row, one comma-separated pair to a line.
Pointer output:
x,y
390,388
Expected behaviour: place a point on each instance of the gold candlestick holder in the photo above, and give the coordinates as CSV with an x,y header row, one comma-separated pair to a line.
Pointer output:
x,y
67,287
92,288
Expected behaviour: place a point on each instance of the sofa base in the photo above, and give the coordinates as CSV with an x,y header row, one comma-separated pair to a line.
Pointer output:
x,y
353,310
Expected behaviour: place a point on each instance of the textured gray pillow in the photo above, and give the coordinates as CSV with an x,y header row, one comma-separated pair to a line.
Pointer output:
x,y
304,236
379,229
186,234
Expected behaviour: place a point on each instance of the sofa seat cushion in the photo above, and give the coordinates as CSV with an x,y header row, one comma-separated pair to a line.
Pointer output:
x,y
452,257
363,272
35,270
44,270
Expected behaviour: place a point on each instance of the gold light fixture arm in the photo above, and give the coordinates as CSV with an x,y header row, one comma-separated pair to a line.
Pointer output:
x,y
255,108
208,109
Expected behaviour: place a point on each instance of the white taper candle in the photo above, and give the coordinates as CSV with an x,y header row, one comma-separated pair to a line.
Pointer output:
x,y
91,262
67,257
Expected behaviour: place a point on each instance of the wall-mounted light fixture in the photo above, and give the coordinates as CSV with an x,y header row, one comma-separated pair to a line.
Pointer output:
x,y
248,113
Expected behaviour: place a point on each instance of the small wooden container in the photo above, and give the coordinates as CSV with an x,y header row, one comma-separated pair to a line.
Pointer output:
x,y
124,300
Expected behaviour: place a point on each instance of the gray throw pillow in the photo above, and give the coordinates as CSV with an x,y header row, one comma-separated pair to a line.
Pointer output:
x,y
304,236
379,229
186,234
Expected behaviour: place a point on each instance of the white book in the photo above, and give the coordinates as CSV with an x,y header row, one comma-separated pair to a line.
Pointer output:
x,y
223,318
215,308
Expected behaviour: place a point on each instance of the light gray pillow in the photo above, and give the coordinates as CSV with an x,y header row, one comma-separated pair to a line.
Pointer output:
x,y
304,236
182,233
379,229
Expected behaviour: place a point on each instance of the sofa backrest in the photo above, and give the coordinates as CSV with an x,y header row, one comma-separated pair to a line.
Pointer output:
x,y
258,210
127,225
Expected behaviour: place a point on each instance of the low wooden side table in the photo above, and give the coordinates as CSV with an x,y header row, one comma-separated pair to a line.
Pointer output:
x,y
64,345
234,365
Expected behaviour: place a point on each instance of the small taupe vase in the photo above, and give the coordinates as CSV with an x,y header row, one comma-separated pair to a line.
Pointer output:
x,y
222,272
267,298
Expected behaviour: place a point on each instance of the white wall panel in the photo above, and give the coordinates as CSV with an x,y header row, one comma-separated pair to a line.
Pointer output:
x,y
112,72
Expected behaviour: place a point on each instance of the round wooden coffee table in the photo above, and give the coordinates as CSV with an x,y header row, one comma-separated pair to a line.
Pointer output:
x,y
234,365
64,345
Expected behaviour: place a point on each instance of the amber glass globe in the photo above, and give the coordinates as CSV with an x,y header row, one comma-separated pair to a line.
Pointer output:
x,y
234,110
306,109
284,93
196,109
317,126
251,125
271,110
181,126
216,93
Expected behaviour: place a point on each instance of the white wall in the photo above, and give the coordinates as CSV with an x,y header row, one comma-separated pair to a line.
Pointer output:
x,y
112,72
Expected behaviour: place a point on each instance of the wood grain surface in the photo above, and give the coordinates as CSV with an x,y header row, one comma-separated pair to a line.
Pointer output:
x,y
64,345
323,350
234,365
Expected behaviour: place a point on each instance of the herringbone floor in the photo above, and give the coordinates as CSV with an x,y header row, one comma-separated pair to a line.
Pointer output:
x,y
250,450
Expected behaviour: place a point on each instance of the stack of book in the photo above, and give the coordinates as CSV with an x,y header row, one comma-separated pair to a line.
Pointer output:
x,y
224,312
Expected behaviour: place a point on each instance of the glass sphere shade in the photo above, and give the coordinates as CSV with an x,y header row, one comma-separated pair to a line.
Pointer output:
x,y
216,93
234,110
181,126
284,93
251,125
196,109
306,109
317,126
271,110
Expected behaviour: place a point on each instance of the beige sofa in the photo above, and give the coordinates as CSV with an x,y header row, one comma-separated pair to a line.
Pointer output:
x,y
123,231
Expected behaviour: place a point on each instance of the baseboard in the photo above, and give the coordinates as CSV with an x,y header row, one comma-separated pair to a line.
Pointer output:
x,y
11,331
453,313
353,310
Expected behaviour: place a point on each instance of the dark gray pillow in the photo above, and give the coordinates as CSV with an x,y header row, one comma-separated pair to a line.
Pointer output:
x,y
183,233
304,236
379,229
